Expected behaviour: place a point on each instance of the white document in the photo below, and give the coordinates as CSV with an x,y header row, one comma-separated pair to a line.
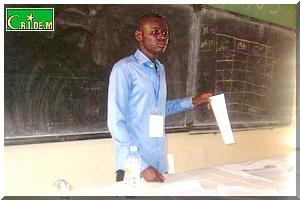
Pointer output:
x,y
224,190
218,105
237,169
156,125
184,188
171,164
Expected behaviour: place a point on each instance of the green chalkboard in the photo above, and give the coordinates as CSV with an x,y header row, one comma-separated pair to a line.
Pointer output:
x,y
281,14
56,82
251,62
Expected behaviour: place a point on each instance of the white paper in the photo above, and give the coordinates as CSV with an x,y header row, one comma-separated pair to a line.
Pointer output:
x,y
184,188
237,169
245,191
171,164
266,170
156,125
272,172
218,105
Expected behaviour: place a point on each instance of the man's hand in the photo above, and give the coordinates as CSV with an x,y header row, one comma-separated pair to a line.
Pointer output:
x,y
150,174
202,98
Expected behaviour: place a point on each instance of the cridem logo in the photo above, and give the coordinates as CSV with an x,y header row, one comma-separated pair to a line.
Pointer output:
x,y
29,19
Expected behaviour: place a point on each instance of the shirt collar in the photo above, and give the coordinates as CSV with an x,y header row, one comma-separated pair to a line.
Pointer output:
x,y
142,58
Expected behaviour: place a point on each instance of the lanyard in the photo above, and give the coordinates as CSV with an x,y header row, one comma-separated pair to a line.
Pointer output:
x,y
156,87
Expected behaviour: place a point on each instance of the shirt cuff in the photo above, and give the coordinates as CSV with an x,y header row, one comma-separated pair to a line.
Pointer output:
x,y
144,165
187,103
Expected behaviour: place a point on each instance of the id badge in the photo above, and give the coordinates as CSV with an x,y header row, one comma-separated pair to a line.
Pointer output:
x,y
156,125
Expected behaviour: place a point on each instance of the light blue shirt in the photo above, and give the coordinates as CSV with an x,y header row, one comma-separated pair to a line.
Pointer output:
x,y
135,91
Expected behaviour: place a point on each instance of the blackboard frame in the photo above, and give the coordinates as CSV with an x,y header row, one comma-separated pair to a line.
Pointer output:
x,y
213,129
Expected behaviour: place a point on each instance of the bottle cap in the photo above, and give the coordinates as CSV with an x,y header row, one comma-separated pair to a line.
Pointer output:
x,y
133,148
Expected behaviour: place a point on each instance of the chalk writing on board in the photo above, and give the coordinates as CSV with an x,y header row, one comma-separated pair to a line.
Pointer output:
x,y
243,72
208,41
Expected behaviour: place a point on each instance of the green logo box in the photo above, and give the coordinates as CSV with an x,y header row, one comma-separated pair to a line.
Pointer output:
x,y
29,19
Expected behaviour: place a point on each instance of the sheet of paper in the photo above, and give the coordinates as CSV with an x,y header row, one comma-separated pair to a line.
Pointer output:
x,y
184,188
218,105
261,164
272,173
267,169
237,169
156,126
171,164
245,191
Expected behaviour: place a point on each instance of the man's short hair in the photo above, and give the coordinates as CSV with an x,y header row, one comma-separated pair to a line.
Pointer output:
x,y
145,17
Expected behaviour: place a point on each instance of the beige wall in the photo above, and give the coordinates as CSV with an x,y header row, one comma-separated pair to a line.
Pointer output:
x,y
32,169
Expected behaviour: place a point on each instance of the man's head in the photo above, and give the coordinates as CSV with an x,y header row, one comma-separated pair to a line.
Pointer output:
x,y
152,34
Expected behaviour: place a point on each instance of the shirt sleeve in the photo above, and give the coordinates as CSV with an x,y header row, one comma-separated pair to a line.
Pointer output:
x,y
178,105
118,92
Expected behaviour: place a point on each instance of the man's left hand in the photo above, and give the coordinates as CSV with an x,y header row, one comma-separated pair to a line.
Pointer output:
x,y
202,98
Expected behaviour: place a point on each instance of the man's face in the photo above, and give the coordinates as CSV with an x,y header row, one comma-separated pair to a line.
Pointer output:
x,y
153,36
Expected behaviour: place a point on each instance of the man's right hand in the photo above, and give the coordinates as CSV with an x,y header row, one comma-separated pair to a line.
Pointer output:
x,y
150,174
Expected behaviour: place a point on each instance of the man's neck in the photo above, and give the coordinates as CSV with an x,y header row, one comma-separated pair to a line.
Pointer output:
x,y
151,57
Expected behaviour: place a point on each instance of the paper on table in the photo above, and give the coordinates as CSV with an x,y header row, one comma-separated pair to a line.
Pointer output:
x,y
237,169
218,105
225,190
184,188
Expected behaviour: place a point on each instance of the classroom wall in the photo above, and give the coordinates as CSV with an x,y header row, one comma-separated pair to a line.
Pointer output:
x,y
33,169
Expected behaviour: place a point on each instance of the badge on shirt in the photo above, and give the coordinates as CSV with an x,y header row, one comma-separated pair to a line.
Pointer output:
x,y
156,125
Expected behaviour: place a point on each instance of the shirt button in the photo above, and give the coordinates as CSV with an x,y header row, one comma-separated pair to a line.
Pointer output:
x,y
158,148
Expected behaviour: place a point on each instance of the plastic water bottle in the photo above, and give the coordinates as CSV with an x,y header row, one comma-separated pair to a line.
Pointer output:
x,y
132,172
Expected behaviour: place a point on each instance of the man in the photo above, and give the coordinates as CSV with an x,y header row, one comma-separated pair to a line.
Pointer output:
x,y
137,97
